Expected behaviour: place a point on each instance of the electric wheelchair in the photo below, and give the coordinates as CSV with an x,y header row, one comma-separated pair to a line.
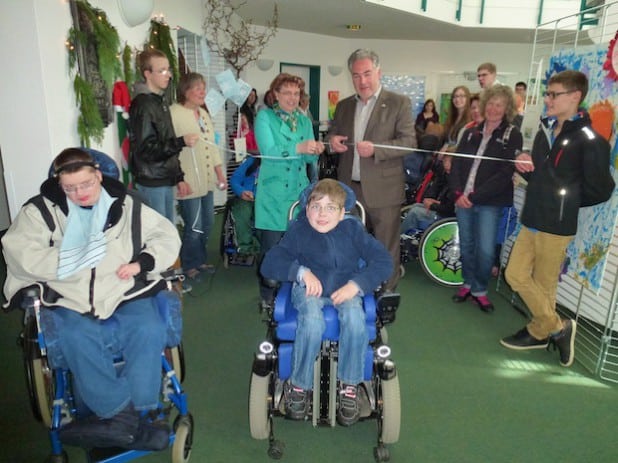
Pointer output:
x,y
272,366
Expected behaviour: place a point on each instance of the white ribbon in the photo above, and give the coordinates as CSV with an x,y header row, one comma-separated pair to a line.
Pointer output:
x,y
393,147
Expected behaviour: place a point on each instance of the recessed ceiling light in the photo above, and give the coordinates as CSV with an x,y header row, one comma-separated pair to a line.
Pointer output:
x,y
353,27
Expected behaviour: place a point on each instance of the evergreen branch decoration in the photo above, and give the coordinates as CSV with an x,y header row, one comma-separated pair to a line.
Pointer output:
x,y
235,39
107,42
93,46
89,123
161,39
127,65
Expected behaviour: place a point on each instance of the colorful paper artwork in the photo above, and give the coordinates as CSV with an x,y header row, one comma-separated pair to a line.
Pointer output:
x,y
333,99
587,253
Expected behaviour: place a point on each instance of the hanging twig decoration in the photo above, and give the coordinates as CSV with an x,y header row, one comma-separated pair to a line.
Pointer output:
x,y
235,39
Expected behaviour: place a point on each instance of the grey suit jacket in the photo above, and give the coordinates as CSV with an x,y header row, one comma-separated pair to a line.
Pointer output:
x,y
390,123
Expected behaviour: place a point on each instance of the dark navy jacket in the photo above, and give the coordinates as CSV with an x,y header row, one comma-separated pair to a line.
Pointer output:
x,y
493,184
573,173
334,258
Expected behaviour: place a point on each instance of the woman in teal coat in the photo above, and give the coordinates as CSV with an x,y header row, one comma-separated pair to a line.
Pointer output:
x,y
285,140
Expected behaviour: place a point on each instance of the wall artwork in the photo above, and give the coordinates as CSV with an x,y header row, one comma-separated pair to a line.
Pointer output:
x,y
587,253
411,86
333,99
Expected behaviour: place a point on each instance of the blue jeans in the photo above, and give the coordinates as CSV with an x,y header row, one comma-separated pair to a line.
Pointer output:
x,y
160,198
198,214
138,328
478,226
352,338
418,216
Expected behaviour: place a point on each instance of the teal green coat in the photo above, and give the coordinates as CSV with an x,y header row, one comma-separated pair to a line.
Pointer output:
x,y
283,172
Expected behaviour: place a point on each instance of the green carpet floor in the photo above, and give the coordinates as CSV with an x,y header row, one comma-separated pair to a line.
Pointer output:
x,y
464,397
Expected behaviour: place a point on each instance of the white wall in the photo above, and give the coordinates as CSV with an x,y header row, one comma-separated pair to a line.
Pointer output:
x,y
397,57
39,114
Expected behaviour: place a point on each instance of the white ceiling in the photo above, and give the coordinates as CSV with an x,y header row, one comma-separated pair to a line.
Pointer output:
x,y
330,17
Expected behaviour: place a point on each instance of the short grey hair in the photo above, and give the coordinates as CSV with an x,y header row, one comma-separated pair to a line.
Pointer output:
x,y
364,53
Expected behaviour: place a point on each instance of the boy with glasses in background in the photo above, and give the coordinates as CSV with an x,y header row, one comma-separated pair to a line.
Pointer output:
x,y
154,147
568,168
322,254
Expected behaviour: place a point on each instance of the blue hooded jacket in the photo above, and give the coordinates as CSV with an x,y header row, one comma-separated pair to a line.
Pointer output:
x,y
346,253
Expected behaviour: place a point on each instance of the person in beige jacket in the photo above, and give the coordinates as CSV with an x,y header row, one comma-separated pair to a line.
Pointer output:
x,y
201,164
95,253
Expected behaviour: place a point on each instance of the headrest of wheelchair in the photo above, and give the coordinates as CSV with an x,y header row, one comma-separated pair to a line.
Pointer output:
x,y
102,161
350,197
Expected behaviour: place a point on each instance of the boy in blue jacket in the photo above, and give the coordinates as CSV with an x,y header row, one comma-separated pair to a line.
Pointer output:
x,y
331,261
243,183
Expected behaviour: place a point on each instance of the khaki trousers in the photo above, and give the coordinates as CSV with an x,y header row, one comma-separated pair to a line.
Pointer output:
x,y
533,271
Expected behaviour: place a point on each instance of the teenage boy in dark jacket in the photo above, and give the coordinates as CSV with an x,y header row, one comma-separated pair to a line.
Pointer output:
x,y
568,168
322,253
154,147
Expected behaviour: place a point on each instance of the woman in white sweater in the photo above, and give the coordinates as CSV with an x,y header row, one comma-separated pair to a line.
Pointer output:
x,y
202,168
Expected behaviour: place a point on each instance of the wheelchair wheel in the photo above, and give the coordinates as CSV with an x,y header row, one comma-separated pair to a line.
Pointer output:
x,y
227,242
39,377
390,410
259,421
439,253
183,440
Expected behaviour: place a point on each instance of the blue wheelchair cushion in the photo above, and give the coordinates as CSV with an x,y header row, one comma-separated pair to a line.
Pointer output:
x,y
286,316
107,165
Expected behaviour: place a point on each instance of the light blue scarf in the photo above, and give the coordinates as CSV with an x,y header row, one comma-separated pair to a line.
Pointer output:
x,y
83,245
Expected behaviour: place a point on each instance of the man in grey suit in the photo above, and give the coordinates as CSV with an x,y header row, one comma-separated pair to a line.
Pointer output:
x,y
375,174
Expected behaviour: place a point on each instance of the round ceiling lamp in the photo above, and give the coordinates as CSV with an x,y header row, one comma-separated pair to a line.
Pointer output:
x,y
135,12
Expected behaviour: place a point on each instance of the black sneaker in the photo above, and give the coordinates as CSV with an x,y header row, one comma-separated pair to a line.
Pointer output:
x,y
118,431
522,340
295,401
565,342
349,405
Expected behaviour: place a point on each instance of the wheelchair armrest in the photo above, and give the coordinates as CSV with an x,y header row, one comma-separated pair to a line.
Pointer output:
x,y
283,301
387,303
24,298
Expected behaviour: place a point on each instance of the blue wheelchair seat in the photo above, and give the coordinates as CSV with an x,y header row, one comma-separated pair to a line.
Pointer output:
x,y
169,306
286,317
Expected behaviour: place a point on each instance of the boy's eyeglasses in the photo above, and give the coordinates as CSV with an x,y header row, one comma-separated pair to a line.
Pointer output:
x,y
70,189
554,95
329,209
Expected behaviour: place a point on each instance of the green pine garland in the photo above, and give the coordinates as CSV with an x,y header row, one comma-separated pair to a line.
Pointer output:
x,y
161,39
90,123
127,65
